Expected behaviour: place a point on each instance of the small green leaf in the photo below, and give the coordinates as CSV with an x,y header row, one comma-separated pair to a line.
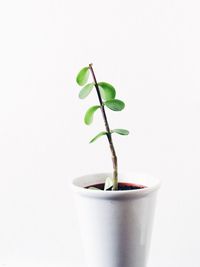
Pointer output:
x,y
86,90
120,131
107,90
108,183
83,76
93,188
97,136
115,104
89,114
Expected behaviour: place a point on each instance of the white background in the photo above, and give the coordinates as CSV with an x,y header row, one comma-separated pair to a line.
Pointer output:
x,y
150,51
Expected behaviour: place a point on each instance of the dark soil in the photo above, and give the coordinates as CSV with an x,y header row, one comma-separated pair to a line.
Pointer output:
x,y
121,186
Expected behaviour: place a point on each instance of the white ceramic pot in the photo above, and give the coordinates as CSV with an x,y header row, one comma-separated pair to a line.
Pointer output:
x,y
116,226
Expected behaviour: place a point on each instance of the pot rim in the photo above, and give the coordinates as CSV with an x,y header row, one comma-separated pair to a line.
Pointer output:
x,y
79,183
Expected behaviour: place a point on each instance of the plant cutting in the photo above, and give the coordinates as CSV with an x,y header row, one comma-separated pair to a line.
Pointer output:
x,y
115,209
106,94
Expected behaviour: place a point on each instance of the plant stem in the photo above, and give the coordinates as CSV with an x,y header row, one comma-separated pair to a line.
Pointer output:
x,y
109,135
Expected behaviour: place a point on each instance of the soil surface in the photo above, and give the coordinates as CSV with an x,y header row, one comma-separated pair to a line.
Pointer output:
x,y
121,186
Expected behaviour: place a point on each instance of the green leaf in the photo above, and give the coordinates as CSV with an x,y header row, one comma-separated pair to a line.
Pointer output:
x,y
108,183
86,90
89,114
107,90
83,76
115,104
120,131
97,136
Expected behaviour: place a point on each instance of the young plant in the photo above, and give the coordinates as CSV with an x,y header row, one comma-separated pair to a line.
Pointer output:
x,y
106,94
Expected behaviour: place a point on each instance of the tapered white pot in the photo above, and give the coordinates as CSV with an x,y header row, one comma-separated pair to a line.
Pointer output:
x,y
116,226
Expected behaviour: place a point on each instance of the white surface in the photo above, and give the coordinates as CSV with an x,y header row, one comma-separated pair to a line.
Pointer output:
x,y
150,51
116,226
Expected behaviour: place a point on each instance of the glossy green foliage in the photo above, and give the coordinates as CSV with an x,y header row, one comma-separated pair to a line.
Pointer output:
x,y
85,91
83,76
97,136
88,119
120,131
107,91
114,104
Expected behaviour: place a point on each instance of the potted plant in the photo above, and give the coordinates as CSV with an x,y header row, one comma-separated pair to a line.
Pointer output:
x,y
115,209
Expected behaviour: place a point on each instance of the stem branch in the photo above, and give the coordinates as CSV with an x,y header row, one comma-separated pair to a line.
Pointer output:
x,y
109,135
